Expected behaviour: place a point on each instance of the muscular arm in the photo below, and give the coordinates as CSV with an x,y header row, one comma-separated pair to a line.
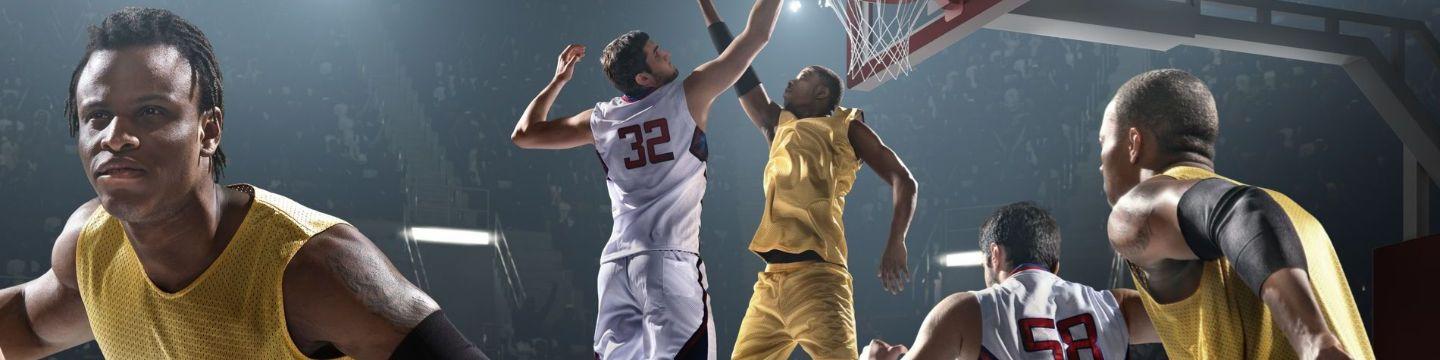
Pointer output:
x,y
533,132
45,316
950,331
763,112
1137,320
709,79
1142,225
894,271
1291,302
341,290
1248,228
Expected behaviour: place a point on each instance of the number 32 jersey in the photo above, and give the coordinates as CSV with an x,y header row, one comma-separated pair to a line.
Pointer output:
x,y
654,158
1035,314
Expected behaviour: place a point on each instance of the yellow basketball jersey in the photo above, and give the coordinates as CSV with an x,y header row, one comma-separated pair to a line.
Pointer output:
x,y
1224,319
811,168
234,310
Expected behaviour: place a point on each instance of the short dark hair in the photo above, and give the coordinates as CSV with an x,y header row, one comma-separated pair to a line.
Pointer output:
x,y
134,26
830,80
1027,232
624,58
1173,105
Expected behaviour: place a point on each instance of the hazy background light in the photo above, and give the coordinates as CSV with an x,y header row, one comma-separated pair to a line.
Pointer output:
x,y
794,6
962,259
441,235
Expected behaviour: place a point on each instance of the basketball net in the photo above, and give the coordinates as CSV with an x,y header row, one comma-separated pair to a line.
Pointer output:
x,y
879,34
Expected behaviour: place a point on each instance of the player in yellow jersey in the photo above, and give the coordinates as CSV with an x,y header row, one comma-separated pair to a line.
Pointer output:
x,y
1225,270
805,295
167,264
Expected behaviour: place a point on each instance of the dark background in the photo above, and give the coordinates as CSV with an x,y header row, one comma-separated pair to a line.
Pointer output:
x,y
390,114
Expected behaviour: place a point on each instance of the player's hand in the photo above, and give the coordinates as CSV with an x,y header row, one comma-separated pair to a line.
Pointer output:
x,y
879,350
565,65
894,267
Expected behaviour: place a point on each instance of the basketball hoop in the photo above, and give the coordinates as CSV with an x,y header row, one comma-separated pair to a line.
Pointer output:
x,y
878,33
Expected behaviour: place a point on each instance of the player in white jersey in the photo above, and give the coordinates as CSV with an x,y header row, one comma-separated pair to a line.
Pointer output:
x,y
651,142
654,157
1026,311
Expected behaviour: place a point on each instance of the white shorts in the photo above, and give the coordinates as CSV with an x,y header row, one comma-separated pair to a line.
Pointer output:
x,y
654,305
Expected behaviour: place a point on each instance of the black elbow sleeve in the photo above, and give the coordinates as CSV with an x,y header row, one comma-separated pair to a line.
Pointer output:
x,y
721,37
1243,224
436,338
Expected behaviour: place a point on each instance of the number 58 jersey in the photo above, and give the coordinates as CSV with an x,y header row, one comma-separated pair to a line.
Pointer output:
x,y
1035,314
654,158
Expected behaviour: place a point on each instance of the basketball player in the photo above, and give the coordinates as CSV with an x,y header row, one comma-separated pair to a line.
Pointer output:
x,y
1026,311
805,295
1226,270
167,264
651,144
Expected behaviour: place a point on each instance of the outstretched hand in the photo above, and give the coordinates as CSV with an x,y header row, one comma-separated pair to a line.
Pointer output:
x,y
879,350
565,65
894,267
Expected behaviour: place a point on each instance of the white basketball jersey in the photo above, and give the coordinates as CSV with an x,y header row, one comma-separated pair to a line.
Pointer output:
x,y
654,158
1037,315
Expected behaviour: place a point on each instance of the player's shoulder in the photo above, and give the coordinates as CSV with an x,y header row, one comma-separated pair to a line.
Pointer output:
x,y
964,304
1152,193
79,219
1151,200
62,256
328,250
1068,285
287,213
956,312
328,260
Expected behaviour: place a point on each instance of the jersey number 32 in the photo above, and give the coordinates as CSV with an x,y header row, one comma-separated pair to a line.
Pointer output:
x,y
643,140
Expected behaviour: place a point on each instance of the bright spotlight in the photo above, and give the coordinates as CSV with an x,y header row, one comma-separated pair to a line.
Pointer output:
x,y
440,235
963,259
794,6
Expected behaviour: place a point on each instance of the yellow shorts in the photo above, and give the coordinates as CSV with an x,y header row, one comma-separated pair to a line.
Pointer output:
x,y
806,303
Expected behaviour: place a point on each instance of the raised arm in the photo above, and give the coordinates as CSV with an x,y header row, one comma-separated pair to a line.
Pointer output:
x,y
533,132
342,292
763,112
950,331
710,78
894,270
45,316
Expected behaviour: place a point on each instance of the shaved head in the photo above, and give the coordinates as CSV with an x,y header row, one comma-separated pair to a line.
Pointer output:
x,y
1174,106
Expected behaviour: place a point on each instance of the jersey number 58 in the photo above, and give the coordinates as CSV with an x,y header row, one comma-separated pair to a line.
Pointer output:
x,y
1071,349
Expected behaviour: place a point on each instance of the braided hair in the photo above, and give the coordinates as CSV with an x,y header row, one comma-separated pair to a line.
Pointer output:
x,y
133,26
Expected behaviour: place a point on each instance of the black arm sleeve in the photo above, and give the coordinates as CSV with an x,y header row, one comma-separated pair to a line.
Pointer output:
x,y
1243,224
436,338
721,37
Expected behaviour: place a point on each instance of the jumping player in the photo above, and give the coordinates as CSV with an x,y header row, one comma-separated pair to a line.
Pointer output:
x,y
805,295
1026,310
1225,270
651,143
167,264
